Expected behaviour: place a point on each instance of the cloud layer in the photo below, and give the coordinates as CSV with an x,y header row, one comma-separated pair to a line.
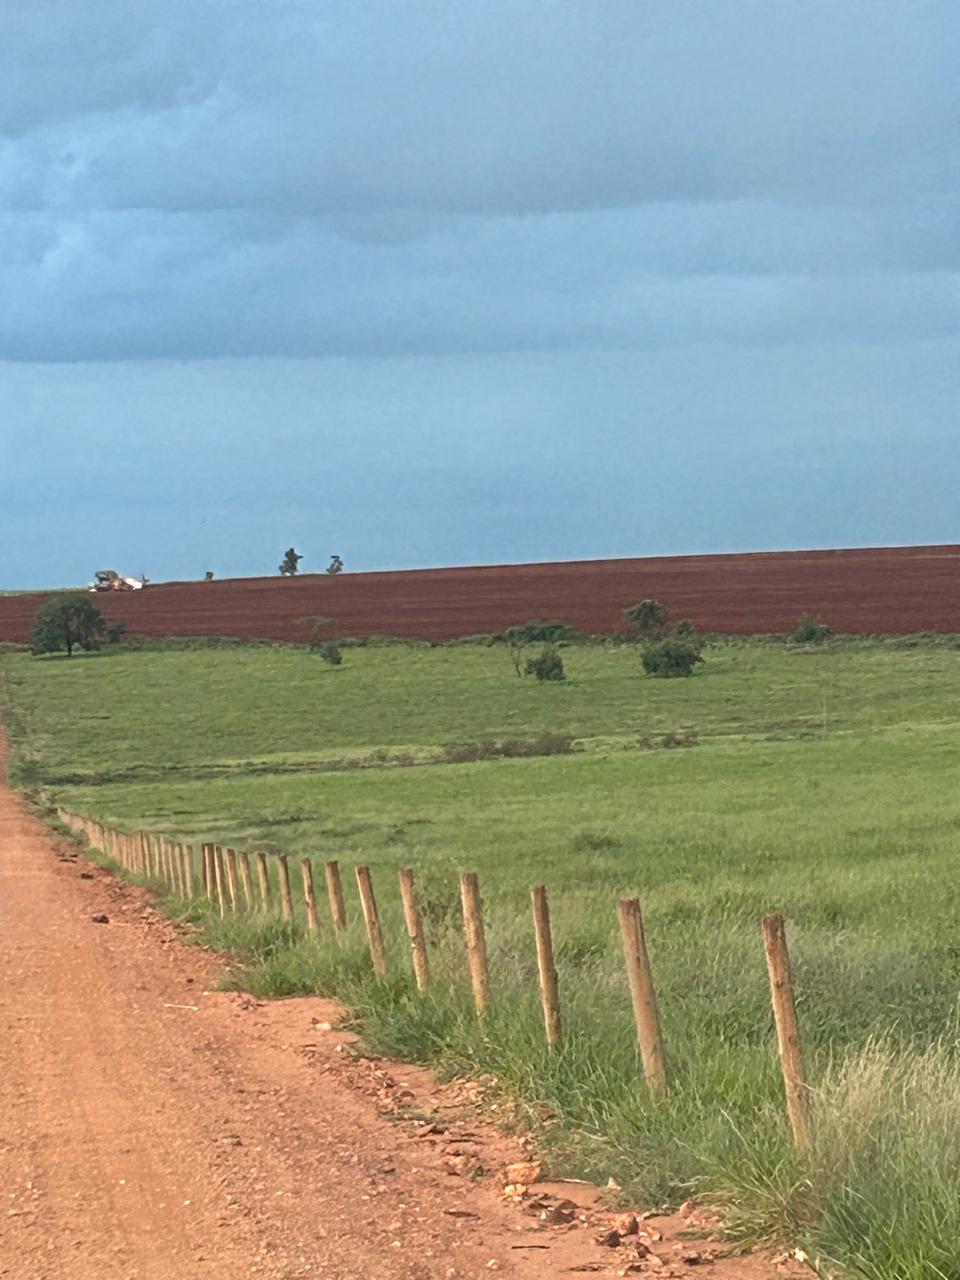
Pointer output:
x,y
312,178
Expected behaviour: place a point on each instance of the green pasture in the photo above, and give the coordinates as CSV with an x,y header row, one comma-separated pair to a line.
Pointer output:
x,y
820,782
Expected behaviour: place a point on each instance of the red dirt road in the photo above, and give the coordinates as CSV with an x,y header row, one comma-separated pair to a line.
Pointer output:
x,y
886,591
153,1130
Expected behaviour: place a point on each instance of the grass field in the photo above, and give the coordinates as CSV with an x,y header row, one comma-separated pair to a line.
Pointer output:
x,y
823,783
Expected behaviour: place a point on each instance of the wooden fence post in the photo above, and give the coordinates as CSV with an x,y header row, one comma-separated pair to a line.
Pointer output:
x,y
306,870
372,920
232,877
220,876
643,994
286,901
788,1031
338,908
263,877
186,861
209,875
472,905
245,878
414,923
549,989
177,868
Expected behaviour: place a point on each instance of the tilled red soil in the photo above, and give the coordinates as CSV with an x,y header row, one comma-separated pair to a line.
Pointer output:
x,y
871,591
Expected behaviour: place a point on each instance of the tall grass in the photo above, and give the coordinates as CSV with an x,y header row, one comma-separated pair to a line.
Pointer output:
x,y
877,1195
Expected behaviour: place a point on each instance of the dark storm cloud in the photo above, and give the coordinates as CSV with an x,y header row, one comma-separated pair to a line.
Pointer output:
x,y
318,178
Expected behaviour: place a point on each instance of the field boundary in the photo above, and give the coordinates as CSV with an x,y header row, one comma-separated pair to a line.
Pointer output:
x,y
224,878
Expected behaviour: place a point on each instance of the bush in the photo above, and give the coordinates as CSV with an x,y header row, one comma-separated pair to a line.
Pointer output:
x,y
536,632
646,618
810,630
539,632
547,744
325,641
670,657
548,666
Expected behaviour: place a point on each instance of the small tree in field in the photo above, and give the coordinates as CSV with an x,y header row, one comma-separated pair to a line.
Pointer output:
x,y
68,622
323,641
670,657
646,618
335,565
290,564
810,631
536,631
548,666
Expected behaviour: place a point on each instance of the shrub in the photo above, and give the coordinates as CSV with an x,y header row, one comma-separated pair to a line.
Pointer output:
x,y
548,666
685,630
547,744
670,657
539,632
535,632
645,618
809,630
330,652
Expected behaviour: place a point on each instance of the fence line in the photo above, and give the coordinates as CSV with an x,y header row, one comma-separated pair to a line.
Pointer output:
x,y
153,858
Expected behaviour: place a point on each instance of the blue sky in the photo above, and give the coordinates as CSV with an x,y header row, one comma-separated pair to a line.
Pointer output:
x,y
450,282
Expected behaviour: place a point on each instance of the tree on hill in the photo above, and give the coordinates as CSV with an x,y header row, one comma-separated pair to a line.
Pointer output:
x,y
335,565
68,622
290,564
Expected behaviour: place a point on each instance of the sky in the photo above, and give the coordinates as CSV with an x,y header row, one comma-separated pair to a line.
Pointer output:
x,y
449,282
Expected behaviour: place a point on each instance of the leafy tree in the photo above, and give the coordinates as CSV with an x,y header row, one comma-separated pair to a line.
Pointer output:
x,y
548,666
646,618
670,656
68,622
810,631
335,565
290,564
208,576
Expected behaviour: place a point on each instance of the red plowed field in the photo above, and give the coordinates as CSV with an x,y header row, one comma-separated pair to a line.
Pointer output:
x,y
894,590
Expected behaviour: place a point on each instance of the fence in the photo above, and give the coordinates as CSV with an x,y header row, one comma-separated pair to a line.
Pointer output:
x,y
225,879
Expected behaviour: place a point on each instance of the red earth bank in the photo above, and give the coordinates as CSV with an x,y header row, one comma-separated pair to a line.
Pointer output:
x,y
892,591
